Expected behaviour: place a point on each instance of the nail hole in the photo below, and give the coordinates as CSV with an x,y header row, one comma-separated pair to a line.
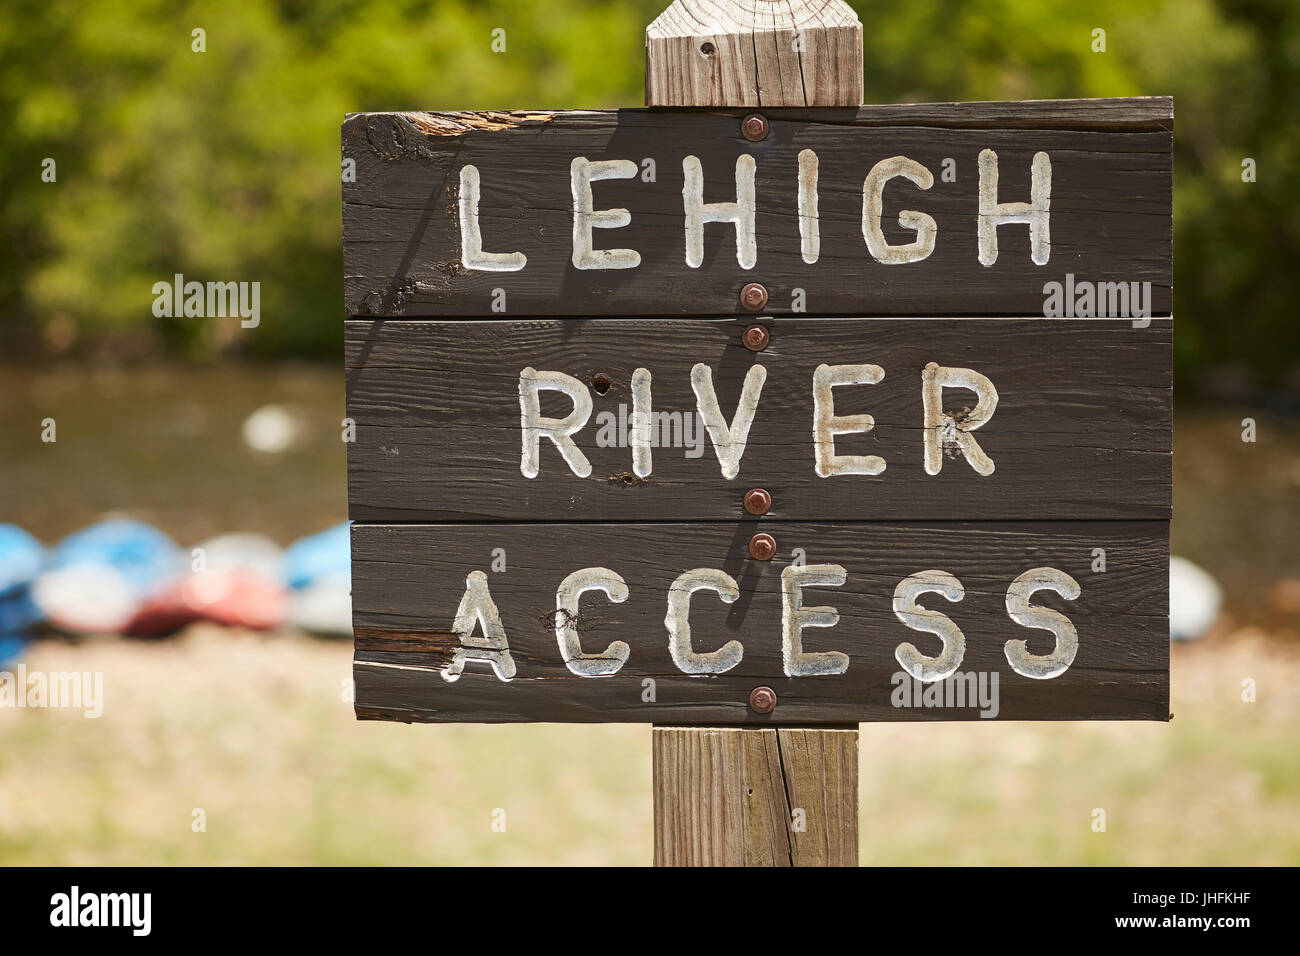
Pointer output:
x,y
601,384
706,48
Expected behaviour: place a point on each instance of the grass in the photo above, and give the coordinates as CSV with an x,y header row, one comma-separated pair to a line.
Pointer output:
x,y
255,732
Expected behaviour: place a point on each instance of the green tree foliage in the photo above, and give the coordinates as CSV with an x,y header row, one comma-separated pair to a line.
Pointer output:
x,y
225,164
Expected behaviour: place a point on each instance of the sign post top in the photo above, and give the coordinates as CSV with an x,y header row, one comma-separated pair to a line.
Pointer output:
x,y
793,53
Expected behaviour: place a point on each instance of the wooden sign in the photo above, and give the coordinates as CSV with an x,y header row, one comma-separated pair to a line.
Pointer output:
x,y
848,622
844,419
942,210
757,414
811,417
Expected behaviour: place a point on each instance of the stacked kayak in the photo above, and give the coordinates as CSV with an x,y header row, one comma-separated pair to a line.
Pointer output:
x,y
318,571
122,576
99,578
22,558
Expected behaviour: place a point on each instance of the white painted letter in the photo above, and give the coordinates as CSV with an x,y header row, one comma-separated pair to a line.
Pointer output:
x,y
942,429
924,226
582,173
1035,212
472,255
826,424
679,625
1042,667
566,618
795,617
728,442
558,430
478,607
642,416
921,667
741,212
810,239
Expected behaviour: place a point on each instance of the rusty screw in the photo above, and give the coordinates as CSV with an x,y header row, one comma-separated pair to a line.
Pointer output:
x,y
762,700
762,547
756,338
753,297
757,502
754,127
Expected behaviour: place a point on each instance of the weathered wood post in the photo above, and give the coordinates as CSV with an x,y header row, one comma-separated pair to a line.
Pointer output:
x,y
748,796
756,53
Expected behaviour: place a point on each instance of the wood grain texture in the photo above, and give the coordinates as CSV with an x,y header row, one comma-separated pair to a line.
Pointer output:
x,y
1110,216
1081,430
409,579
727,796
746,53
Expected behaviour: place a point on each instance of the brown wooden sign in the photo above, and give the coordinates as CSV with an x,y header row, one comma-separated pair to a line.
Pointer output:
x,y
676,623
954,209
919,470
842,426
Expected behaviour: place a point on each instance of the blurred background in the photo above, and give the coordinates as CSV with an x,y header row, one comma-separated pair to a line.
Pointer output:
x,y
179,433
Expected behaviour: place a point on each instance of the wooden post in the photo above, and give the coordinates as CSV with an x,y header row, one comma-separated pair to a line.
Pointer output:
x,y
754,53
760,796
741,796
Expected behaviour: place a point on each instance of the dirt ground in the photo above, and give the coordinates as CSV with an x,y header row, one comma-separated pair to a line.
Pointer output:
x,y
255,732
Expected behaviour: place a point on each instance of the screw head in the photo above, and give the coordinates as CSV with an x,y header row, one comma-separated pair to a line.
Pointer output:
x,y
762,700
757,501
762,547
756,338
753,296
754,127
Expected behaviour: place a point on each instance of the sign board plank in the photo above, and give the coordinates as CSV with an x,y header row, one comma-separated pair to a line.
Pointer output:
x,y
410,582
474,214
1081,428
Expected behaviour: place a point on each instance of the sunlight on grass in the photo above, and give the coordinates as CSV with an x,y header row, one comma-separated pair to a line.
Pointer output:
x,y
254,731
